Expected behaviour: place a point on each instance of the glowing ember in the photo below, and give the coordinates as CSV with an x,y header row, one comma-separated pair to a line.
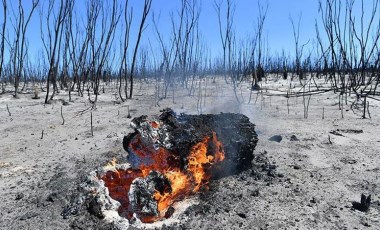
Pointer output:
x,y
163,176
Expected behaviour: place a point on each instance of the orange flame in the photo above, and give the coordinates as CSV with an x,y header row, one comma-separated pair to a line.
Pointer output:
x,y
183,182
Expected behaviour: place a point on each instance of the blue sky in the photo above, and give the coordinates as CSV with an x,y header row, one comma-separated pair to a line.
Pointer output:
x,y
277,29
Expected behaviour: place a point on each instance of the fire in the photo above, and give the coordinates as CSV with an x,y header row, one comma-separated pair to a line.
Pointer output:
x,y
199,160
183,181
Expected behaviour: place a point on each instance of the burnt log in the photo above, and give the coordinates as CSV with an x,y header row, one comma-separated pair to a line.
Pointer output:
x,y
178,134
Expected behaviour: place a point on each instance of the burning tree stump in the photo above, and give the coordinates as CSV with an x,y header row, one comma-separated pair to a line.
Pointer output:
x,y
188,150
172,157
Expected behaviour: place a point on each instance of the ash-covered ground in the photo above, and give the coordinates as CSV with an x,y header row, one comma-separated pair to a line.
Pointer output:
x,y
306,177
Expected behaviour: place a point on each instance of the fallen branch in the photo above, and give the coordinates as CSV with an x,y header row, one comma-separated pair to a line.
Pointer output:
x,y
309,93
373,98
356,131
92,107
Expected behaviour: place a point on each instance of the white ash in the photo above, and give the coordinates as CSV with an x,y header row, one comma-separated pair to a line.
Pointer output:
x,y
96,194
